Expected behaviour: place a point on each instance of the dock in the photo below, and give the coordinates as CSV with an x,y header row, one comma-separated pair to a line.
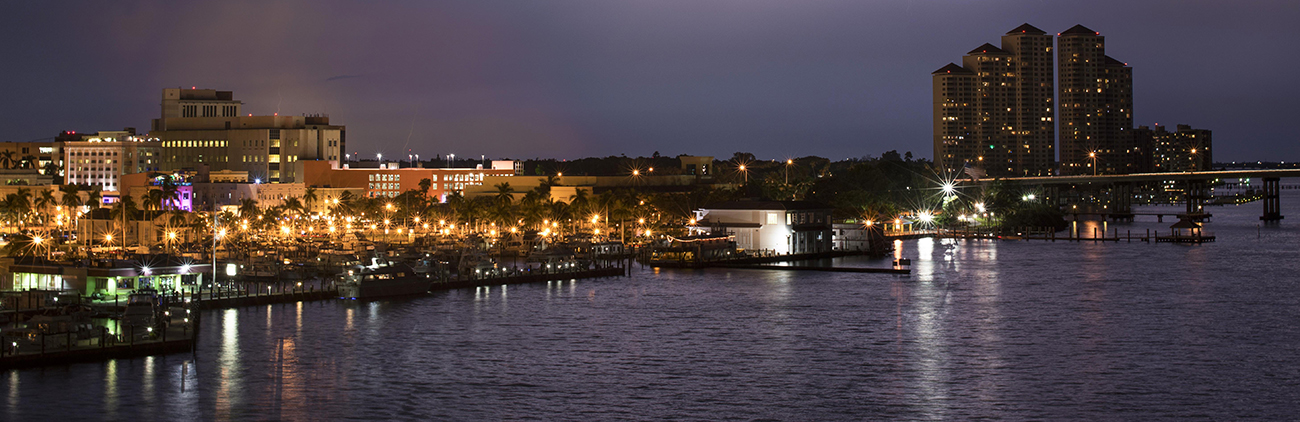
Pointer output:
x,y
902,271
532,277
39,348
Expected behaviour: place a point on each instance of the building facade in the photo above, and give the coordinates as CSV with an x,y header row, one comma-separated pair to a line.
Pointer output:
x,y
33,155
101,159
995,110
782,227
390,179
204,127
1096,106
1186,149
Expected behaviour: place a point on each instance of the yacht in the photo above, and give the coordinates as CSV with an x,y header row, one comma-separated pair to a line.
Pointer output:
x,y
381,278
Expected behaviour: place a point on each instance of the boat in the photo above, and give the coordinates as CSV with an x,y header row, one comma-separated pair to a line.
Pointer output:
x,y
141,309
382,278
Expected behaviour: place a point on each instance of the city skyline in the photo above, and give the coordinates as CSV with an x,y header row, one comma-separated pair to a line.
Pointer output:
x,y
590,79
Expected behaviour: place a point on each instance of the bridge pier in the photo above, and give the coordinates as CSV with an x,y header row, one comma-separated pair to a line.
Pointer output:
x,y
1196,194
1121,201
1272,200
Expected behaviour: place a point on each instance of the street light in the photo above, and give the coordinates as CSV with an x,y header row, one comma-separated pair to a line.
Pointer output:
x,y
788,163
742,170
1093,154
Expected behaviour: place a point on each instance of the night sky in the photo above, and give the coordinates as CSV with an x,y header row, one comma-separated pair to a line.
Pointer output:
x,y
567,79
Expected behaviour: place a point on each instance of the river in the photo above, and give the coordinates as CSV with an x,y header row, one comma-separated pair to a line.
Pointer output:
x,y
982,329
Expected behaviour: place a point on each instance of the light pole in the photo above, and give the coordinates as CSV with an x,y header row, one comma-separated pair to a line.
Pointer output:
x,y
746,173
788,163
1093,154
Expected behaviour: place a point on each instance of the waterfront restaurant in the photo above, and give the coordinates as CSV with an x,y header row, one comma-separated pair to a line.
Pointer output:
x,y
102,278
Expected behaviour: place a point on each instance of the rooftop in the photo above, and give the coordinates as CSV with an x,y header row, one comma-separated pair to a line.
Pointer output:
x,y
769,205
953,68
1026,29
1080,30
987,49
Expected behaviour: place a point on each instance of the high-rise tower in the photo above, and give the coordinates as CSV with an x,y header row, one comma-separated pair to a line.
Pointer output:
x,y
995,110
1096,106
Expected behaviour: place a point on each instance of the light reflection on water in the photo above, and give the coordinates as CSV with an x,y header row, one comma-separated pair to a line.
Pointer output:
x,y
982,329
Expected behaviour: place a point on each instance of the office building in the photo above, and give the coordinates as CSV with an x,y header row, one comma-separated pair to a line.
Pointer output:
x,y
206,127
100,159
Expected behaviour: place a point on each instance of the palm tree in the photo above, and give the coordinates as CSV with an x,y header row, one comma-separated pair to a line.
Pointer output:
x,y
248,208
292,204
71,196
43,202
170,192
7,158
55,170
28,161
95,198
154,199
309,198
124,211
20,205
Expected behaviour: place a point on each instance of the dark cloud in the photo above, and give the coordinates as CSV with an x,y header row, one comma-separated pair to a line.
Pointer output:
x,y
569,78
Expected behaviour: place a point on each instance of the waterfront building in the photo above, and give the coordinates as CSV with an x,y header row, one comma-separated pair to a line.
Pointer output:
x,y
100,159
1096,106
782,227
206,127
381,179
101,277
1186,149
994,111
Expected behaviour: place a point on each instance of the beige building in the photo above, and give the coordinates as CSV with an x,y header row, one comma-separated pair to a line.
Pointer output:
x,y
1096,97
204,126
995,110
34,155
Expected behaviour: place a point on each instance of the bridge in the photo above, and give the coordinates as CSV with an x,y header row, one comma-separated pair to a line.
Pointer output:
x,y
1196,187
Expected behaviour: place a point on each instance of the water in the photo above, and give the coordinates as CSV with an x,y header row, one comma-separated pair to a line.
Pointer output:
x,y
1016,330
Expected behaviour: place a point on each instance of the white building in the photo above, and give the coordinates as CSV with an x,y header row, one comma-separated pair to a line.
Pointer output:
x,y
784,227
102,158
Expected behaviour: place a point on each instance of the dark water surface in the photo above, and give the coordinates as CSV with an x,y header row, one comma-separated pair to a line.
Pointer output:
x,y
1012,330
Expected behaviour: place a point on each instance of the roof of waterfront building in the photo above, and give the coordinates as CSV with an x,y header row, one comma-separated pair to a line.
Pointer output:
x,y
1080,30
1026,29
954,68
987,49
769,205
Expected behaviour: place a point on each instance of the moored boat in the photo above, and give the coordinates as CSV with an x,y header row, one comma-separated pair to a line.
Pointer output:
x,y
382,279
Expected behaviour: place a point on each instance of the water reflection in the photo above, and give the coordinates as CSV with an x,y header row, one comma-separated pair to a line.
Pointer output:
x,y
147,380
110,389
229,379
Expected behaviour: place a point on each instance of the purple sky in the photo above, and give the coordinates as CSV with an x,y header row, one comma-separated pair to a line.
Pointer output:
x,y
573,78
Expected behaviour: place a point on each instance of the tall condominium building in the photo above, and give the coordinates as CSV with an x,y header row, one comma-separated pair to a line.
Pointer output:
x,y
995,110
1096,106
204,127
